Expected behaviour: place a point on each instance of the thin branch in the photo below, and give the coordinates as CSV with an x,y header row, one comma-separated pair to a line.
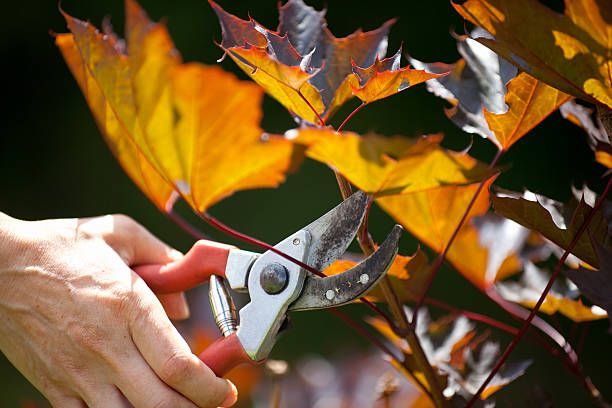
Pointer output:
x,y
322,122
526,324
350,116
214,222
442,256
185,225
473,316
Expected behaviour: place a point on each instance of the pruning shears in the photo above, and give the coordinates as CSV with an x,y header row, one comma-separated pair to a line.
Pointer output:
x,y
274,284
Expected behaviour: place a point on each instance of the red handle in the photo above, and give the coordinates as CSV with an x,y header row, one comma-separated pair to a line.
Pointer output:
x,y
205,258
225,354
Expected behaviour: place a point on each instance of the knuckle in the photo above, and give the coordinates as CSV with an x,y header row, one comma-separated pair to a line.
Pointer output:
x,y
89,337
176,368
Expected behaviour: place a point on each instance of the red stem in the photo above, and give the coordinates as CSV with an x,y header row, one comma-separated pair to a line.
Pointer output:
x,y
322,122
473,316
254,241
527,322
442,256
350,116
185,225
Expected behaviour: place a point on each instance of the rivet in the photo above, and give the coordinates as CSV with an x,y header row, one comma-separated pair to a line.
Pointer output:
x,y
364,278
296,241
330,294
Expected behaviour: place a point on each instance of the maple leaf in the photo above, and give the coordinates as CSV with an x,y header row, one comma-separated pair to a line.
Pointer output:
x,y
172,125
391,165
432,216
556,221
385,78
309,70
562,298
596,285
570,52
462,358
475,81
489,98
598,139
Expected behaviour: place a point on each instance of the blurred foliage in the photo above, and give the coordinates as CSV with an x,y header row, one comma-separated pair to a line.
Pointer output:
x,y
54,163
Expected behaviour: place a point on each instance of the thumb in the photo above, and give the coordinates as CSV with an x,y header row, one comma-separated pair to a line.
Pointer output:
x,y
135,244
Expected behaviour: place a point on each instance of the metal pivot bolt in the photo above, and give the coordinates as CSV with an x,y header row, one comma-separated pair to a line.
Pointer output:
x,y
274,278
222,305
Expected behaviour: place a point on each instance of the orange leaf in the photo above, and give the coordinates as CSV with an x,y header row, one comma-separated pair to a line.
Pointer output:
x,y
304,66
529,102
561,299
385,78
572,52
117,135
191,123
432,216
392,165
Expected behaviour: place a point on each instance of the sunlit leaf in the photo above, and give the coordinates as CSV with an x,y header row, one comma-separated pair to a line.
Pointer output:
x,y
477,81
386,77
563,297
392,165
598,139
433,215
309,70
596,285
181,119
555,221
488,97
529,102
117,135
571,52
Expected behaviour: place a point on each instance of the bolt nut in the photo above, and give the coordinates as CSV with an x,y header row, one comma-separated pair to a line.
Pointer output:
x,y
274,278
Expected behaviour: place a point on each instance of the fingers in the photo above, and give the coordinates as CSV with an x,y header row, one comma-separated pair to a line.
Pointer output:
x,y
175,305
133,242
169,356
143,388
105,395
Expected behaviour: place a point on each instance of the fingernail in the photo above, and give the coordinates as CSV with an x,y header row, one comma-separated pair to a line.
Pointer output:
x,y
184,308
232,396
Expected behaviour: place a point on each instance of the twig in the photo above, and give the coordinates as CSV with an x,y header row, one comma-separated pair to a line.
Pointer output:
x,y
185,225
435,268
526,324
350,116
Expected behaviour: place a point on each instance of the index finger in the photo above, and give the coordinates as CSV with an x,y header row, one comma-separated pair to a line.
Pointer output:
x,y
165,350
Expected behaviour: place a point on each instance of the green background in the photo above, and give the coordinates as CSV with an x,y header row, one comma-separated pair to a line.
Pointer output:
x,y
53,162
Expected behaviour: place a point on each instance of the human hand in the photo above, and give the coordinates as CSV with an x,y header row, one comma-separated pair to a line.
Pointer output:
x,y
85,329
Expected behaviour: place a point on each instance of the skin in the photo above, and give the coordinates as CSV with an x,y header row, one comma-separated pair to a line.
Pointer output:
x,y
85,329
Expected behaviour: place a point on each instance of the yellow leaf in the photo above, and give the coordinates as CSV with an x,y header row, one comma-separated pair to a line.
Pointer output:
x,y
433,215
117,136
385,78
572,52
190,123
286,84
529,102
392,165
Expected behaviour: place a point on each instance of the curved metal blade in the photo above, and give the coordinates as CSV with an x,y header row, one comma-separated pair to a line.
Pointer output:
x,y
332,233
337,290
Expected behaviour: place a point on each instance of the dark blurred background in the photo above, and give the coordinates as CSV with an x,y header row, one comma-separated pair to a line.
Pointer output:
x,y
54,163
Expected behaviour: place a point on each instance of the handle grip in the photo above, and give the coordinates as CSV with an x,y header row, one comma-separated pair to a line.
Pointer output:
x,y
204,259
225,354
